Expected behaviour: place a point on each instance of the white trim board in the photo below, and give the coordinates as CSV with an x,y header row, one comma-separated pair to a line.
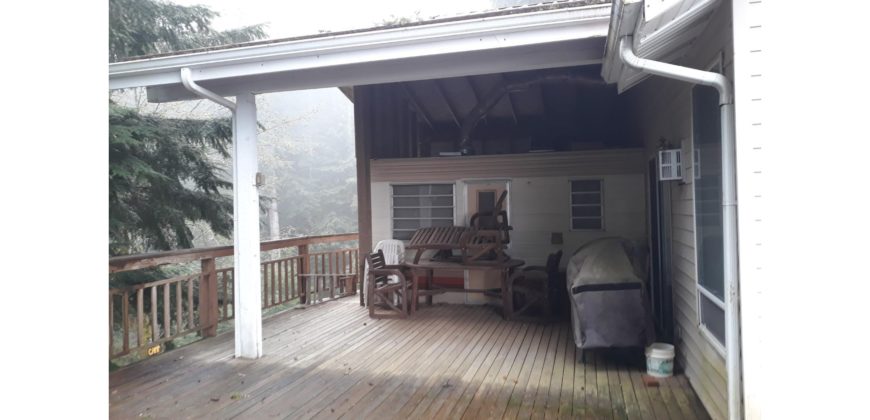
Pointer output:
x,y
553,38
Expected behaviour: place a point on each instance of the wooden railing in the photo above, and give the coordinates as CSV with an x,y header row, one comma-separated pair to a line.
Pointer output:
x,y
144,316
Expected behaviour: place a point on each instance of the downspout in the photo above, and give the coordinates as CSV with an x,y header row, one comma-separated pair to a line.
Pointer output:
x,y
189,84
729,204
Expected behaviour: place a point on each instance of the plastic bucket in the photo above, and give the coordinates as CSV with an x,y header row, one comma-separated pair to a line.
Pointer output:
x,y
660,360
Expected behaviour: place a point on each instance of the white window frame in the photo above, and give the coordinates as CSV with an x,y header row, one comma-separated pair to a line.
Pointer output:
x,y
716,65
393,207
571,205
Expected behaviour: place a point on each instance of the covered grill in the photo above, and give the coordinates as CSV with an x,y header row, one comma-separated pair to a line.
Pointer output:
x,y
605,281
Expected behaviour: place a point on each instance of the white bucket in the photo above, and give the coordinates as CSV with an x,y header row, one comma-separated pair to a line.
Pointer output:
x,y
660,360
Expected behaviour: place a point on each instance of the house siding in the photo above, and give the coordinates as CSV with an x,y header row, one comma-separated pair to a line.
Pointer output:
x,y
663,109
537,205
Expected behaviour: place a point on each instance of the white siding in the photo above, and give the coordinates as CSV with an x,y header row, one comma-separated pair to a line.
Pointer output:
x,y
537,206
801,125
663,109
541,206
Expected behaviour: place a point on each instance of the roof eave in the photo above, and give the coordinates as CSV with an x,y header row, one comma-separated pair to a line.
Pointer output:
x,y
652,41
388,44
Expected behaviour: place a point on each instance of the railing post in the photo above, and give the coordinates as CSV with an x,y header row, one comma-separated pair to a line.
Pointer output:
x,y
302,250
208,299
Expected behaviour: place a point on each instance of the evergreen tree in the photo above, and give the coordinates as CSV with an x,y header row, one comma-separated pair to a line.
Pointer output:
x,y
164,173
142,27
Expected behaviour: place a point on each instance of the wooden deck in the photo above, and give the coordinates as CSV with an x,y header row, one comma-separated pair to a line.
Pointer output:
x,y
448,361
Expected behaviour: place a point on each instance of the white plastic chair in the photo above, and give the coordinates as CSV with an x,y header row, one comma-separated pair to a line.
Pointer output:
x,y
394,253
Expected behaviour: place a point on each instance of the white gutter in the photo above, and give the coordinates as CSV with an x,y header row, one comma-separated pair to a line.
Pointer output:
x,y
729,204
496,32
189,84
656,43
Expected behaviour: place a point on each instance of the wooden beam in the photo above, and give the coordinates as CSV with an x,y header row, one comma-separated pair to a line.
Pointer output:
x,y
541,92
440,89
474,91
246,232
509,100
494,96
347,91
413,99
362,138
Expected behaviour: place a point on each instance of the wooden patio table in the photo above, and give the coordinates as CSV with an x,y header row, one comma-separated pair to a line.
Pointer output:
x,y
506,267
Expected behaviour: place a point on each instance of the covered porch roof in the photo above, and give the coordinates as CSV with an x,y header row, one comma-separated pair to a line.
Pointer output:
x,y
558,34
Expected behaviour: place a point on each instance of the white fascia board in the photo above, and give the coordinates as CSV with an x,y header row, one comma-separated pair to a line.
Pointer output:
x,y
661,42
656,8
341,50
550,55
622,22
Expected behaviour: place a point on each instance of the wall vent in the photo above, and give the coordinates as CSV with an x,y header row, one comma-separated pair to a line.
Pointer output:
x,y
670,167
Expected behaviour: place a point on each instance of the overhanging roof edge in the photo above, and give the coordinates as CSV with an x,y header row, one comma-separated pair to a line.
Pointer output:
x,y
662,43
165,70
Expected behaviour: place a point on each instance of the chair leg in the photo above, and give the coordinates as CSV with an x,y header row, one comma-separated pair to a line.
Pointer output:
x,y
414,291
548,313
404,298
371,298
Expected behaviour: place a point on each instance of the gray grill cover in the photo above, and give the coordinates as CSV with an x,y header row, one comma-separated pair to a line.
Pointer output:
x,y
608,306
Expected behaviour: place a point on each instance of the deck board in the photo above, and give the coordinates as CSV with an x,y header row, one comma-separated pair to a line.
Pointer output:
x,y
332,361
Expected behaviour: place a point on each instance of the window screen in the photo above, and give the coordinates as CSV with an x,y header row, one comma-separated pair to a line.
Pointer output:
x,y
421,205
586,205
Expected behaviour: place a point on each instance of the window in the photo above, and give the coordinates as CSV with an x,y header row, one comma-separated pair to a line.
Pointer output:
x,y
586,205
421,205
707,185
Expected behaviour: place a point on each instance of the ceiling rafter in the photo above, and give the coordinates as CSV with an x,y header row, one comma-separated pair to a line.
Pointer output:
x,y
470,82
440,88
507,96
416,103
500,91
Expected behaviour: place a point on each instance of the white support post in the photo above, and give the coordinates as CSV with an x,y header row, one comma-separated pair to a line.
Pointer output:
x,y
246,231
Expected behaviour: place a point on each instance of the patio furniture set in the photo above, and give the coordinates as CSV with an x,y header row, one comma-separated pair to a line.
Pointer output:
x,y
393,287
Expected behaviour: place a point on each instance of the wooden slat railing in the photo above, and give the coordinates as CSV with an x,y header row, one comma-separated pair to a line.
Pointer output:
x,y
152,313
149,314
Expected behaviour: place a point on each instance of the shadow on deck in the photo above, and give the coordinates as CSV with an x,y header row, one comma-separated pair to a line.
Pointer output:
x,y
448,361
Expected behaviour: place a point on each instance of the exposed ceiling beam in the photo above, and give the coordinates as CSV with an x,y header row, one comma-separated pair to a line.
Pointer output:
x,y
470,82
497,93
440,88
543,99
416,104
509,100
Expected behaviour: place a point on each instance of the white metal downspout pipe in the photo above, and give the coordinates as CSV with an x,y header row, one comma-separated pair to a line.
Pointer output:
x,y
189,84
729,204
246,296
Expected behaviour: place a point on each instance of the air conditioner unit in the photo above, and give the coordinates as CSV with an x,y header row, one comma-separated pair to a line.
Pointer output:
x,y
670,168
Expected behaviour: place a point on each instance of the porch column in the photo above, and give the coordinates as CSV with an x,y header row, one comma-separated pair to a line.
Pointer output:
x,y
246,231
362,124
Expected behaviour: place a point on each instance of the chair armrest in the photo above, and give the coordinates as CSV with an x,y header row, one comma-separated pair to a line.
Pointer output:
x,y
387,272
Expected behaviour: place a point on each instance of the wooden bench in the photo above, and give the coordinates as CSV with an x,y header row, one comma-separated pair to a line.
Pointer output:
x,y
472,243
437,238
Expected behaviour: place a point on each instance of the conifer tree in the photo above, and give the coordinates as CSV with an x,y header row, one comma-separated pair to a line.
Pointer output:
x,y
164,172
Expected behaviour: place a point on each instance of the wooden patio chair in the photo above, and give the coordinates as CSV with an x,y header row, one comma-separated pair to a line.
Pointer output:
x,y
397,295
533,285
491,233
